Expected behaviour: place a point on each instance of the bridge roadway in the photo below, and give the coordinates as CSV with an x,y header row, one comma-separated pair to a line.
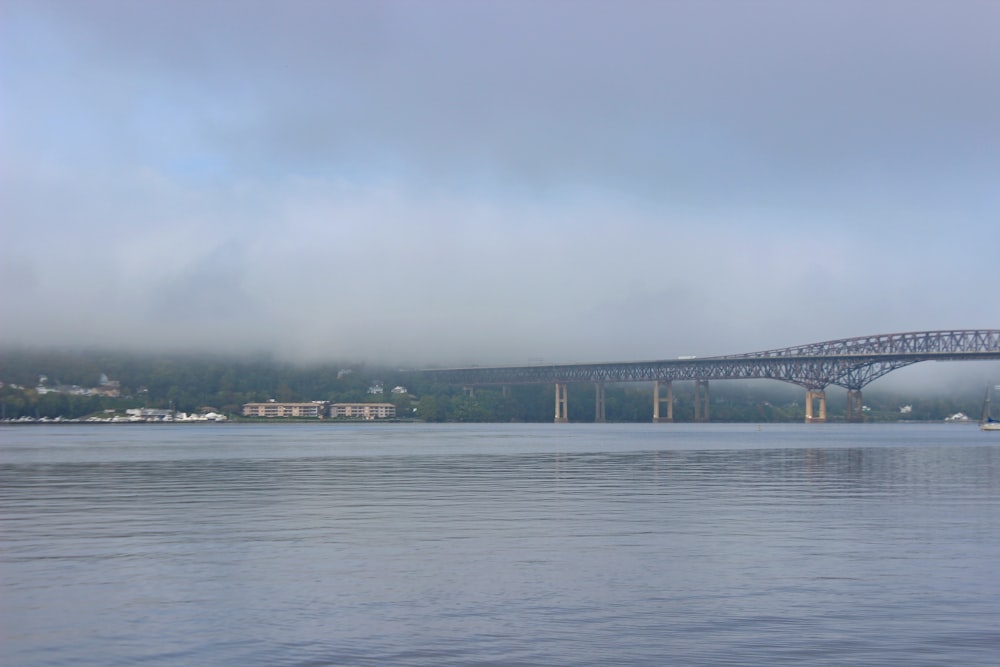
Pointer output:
x,y
850,363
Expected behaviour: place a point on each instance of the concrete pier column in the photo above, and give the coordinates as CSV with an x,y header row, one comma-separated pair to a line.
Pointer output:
x,y
855,414
505,390
469,391
701,401
600,413
815,397
561,415
658,416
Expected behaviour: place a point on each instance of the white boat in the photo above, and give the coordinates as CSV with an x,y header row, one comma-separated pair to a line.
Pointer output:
x,y
988,423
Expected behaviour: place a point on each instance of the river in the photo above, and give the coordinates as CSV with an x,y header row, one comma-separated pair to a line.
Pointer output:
x,y
572,544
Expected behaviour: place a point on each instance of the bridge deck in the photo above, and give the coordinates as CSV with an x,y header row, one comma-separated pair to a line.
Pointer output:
x,y
849,362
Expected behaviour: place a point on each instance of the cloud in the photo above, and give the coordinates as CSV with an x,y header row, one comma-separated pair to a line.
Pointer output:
x,y
495,182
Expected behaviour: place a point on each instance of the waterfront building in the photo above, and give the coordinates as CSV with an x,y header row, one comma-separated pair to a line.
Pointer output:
x,y
313,409
367,411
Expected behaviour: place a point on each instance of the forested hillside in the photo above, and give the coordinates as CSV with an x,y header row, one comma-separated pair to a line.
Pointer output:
x,y
190,383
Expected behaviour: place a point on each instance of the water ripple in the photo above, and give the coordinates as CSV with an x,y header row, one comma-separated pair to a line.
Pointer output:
x,y
499,546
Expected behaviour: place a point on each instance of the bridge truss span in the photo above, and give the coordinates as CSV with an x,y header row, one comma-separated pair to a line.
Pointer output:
x,y
960,341
851,363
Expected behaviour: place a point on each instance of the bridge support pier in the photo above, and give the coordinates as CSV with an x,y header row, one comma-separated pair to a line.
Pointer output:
x,y
814,398
600,413
561,415
658,417
855,414
469,391
701,396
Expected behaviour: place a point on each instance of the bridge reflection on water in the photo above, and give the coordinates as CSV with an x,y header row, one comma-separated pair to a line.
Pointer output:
x,y
851,363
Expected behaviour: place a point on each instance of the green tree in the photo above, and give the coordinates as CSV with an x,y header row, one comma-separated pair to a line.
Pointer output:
x,y
428,410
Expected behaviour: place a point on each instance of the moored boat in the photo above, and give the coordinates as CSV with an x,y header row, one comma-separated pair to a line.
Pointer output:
x,y
987,422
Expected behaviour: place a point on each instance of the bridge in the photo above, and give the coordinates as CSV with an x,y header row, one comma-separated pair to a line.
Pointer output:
x,y
850,363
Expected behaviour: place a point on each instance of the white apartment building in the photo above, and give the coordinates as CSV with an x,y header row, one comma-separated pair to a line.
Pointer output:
x,y
272,409
367,411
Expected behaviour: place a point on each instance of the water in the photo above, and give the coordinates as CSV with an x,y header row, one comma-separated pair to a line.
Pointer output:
x,y
310,545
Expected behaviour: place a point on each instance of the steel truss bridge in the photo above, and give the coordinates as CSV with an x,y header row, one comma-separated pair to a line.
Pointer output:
x,y
850,363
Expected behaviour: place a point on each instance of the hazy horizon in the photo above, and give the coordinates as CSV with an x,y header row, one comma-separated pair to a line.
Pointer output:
x,y
452,183
922,378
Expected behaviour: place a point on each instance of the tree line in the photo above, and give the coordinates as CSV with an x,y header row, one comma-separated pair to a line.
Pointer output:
x,y
190,383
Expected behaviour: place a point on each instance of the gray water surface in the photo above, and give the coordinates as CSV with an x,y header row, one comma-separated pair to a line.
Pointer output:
x,y
671,544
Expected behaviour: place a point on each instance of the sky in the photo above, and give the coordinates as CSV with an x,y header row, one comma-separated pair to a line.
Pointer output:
x,y
496,182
